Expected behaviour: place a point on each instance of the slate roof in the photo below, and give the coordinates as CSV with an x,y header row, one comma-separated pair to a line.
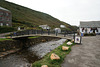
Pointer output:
x,y
1,8
90,24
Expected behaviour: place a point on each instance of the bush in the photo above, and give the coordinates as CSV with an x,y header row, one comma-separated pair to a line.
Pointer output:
x,y
6,29
89,34
37,65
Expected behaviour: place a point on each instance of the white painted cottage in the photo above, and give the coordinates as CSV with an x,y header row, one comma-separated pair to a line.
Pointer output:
x,y
62,26
89,27
44,26
58,30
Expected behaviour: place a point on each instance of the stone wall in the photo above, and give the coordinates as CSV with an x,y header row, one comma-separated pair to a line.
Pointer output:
x,y
20,44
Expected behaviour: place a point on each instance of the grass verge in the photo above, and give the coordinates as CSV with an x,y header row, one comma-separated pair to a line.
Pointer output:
x,y
3,39
53,63
33,37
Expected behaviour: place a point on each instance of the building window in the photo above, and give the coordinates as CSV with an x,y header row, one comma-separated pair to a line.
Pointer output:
x,y
85,30
82,29
7,14
0,18
96,29
7,24
1,13
1,24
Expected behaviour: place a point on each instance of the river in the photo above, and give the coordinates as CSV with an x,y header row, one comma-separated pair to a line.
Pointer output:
x,y
25,57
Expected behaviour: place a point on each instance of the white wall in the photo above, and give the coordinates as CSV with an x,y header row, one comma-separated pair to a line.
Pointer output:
x,y
98,30
89,30
1,24
58,30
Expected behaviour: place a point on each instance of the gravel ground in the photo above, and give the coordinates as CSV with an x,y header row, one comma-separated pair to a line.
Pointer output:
x,y
43,48
85,55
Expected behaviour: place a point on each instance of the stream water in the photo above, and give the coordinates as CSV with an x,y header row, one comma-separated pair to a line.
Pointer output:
x,y
25,57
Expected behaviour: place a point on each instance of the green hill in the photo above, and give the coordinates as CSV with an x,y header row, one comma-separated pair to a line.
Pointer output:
x,y
25,17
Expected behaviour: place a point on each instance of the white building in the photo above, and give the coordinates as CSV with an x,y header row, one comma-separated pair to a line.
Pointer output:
x,y
57,30
19,28
44,26
89,27
62,26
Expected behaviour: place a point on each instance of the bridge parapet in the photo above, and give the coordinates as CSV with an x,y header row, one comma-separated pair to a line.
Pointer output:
x,y
50,33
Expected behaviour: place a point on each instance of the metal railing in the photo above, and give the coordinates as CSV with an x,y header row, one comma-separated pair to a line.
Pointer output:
x,y
56,33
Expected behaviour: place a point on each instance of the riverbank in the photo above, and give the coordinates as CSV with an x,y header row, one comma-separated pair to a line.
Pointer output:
x,y
11,46
27,56
53,63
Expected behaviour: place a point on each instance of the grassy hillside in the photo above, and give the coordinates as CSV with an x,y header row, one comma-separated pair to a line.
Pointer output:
x,y
25,17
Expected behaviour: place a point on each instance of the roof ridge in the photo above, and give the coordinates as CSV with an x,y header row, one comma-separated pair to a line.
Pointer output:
x,y
3,8
90,24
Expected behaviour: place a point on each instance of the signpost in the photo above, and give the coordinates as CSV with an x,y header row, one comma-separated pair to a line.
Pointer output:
x,y
77,39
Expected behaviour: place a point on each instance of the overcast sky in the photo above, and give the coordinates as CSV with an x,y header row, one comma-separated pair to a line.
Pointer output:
x,y
69,11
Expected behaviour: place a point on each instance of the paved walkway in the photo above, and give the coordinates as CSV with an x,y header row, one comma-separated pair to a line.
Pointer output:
x,y
85,55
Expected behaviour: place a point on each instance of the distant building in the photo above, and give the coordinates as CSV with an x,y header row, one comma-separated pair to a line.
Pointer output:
x,y
18,28
57,30
90,27
44,26
62,26
5,17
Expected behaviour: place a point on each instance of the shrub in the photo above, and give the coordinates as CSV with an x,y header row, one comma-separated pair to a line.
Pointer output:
x,y
37,65
6,29
89,34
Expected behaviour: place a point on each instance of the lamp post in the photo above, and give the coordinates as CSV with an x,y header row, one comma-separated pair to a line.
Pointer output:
x,y
65,33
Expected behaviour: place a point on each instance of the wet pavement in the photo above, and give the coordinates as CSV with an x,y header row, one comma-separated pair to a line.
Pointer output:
x,y
25,57
85,55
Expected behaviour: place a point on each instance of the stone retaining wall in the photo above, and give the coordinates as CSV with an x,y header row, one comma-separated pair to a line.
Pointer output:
x,y
19,44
